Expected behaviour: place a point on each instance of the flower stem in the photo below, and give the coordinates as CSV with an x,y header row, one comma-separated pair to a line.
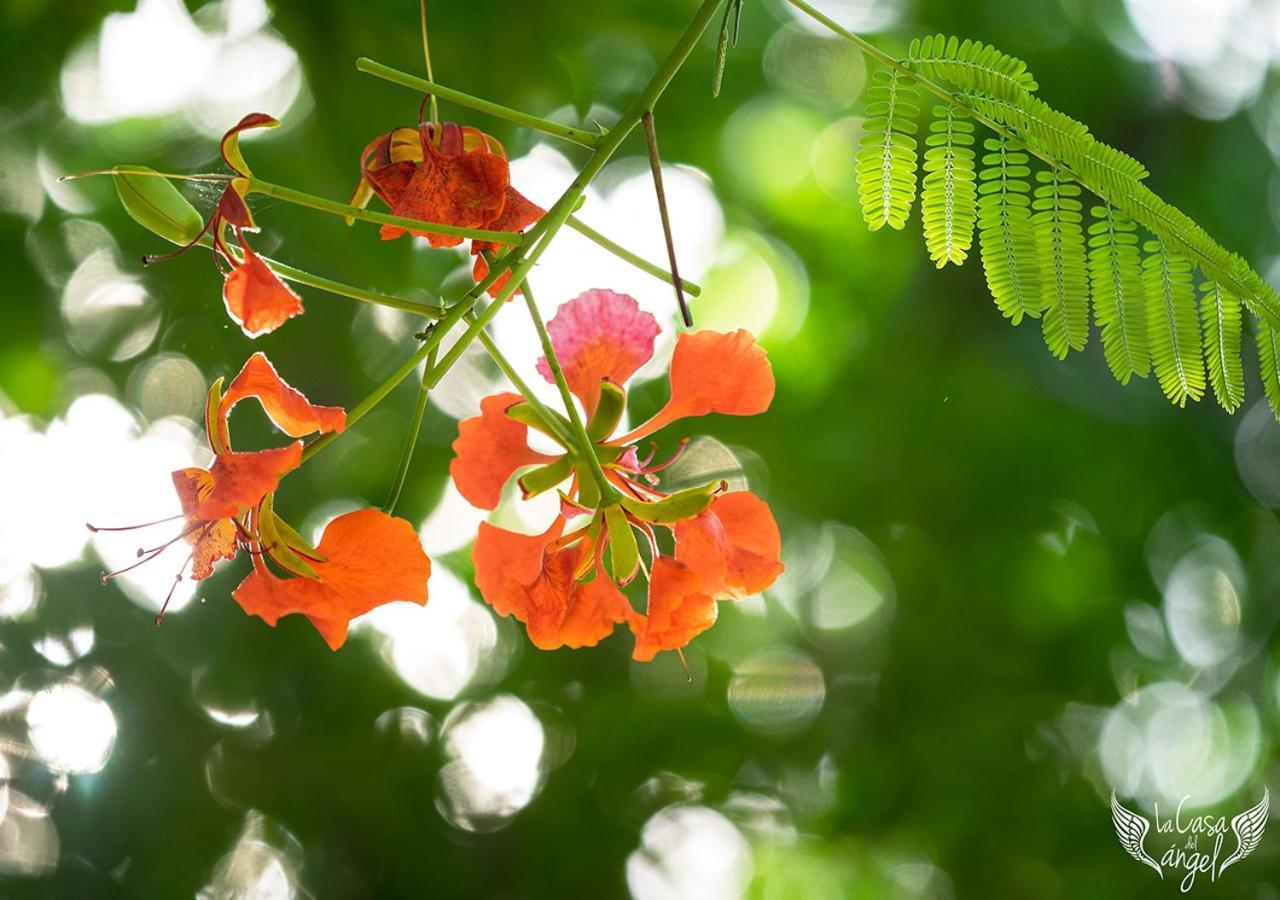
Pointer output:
x,y
358,412
411,436
341,289
504,365
586,447
576,135
299,198
623,253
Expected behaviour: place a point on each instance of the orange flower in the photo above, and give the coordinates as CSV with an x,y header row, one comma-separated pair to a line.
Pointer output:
x,y
255,297
726,545
220,503
447,174
535,578
366,558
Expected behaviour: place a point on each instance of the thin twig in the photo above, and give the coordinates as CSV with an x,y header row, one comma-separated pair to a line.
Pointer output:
x,y
655,164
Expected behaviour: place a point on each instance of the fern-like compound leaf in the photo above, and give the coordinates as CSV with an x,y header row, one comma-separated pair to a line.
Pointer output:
x,y
1037,124
948,202
1172,326
1220,323
1064,276
886,161
1269,364
1005,232
972,66
1115,282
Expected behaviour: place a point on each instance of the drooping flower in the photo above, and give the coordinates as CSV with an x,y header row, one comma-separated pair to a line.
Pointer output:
x,y
726,544
364,558
256,298
447,174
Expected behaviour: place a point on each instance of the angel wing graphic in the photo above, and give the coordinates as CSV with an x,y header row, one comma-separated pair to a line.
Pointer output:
x,y
1132,829
1248,827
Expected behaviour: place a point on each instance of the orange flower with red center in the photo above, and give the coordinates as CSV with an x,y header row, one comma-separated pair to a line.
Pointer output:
x,y
726,544
255,297
364,559
448,174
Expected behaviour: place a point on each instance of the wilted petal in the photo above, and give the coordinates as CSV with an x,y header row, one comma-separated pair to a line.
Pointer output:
x,y
210,540
599,335
286,406
452,186
257,300
371,558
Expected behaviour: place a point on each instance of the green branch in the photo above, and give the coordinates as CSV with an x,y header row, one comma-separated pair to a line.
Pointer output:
x,y
578,136
300,198
693,290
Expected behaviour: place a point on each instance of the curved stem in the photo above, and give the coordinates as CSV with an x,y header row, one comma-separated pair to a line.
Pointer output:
x,y
300,198
555,129
411,437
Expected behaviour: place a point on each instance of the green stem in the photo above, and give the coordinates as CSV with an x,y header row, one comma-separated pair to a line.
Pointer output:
x,y
299,198
626,255
586,447
358,412
342,289
496,354
576,135
411,437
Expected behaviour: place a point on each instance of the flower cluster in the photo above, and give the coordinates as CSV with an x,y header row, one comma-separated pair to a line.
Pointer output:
x,y
725,544
365,558
615,519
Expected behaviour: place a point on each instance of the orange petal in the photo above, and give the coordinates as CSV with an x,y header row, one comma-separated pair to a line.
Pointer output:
x,y
678,610
452,187
371,558
489,449
210,541
241,480
257,300
284,404
518,213
713,372
480,271
518,577
599,335
733,545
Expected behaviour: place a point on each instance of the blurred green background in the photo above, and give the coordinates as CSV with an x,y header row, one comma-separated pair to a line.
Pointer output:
x,y
1014,585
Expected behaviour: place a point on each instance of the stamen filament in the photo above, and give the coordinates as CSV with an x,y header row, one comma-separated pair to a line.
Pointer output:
x,y
96,528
